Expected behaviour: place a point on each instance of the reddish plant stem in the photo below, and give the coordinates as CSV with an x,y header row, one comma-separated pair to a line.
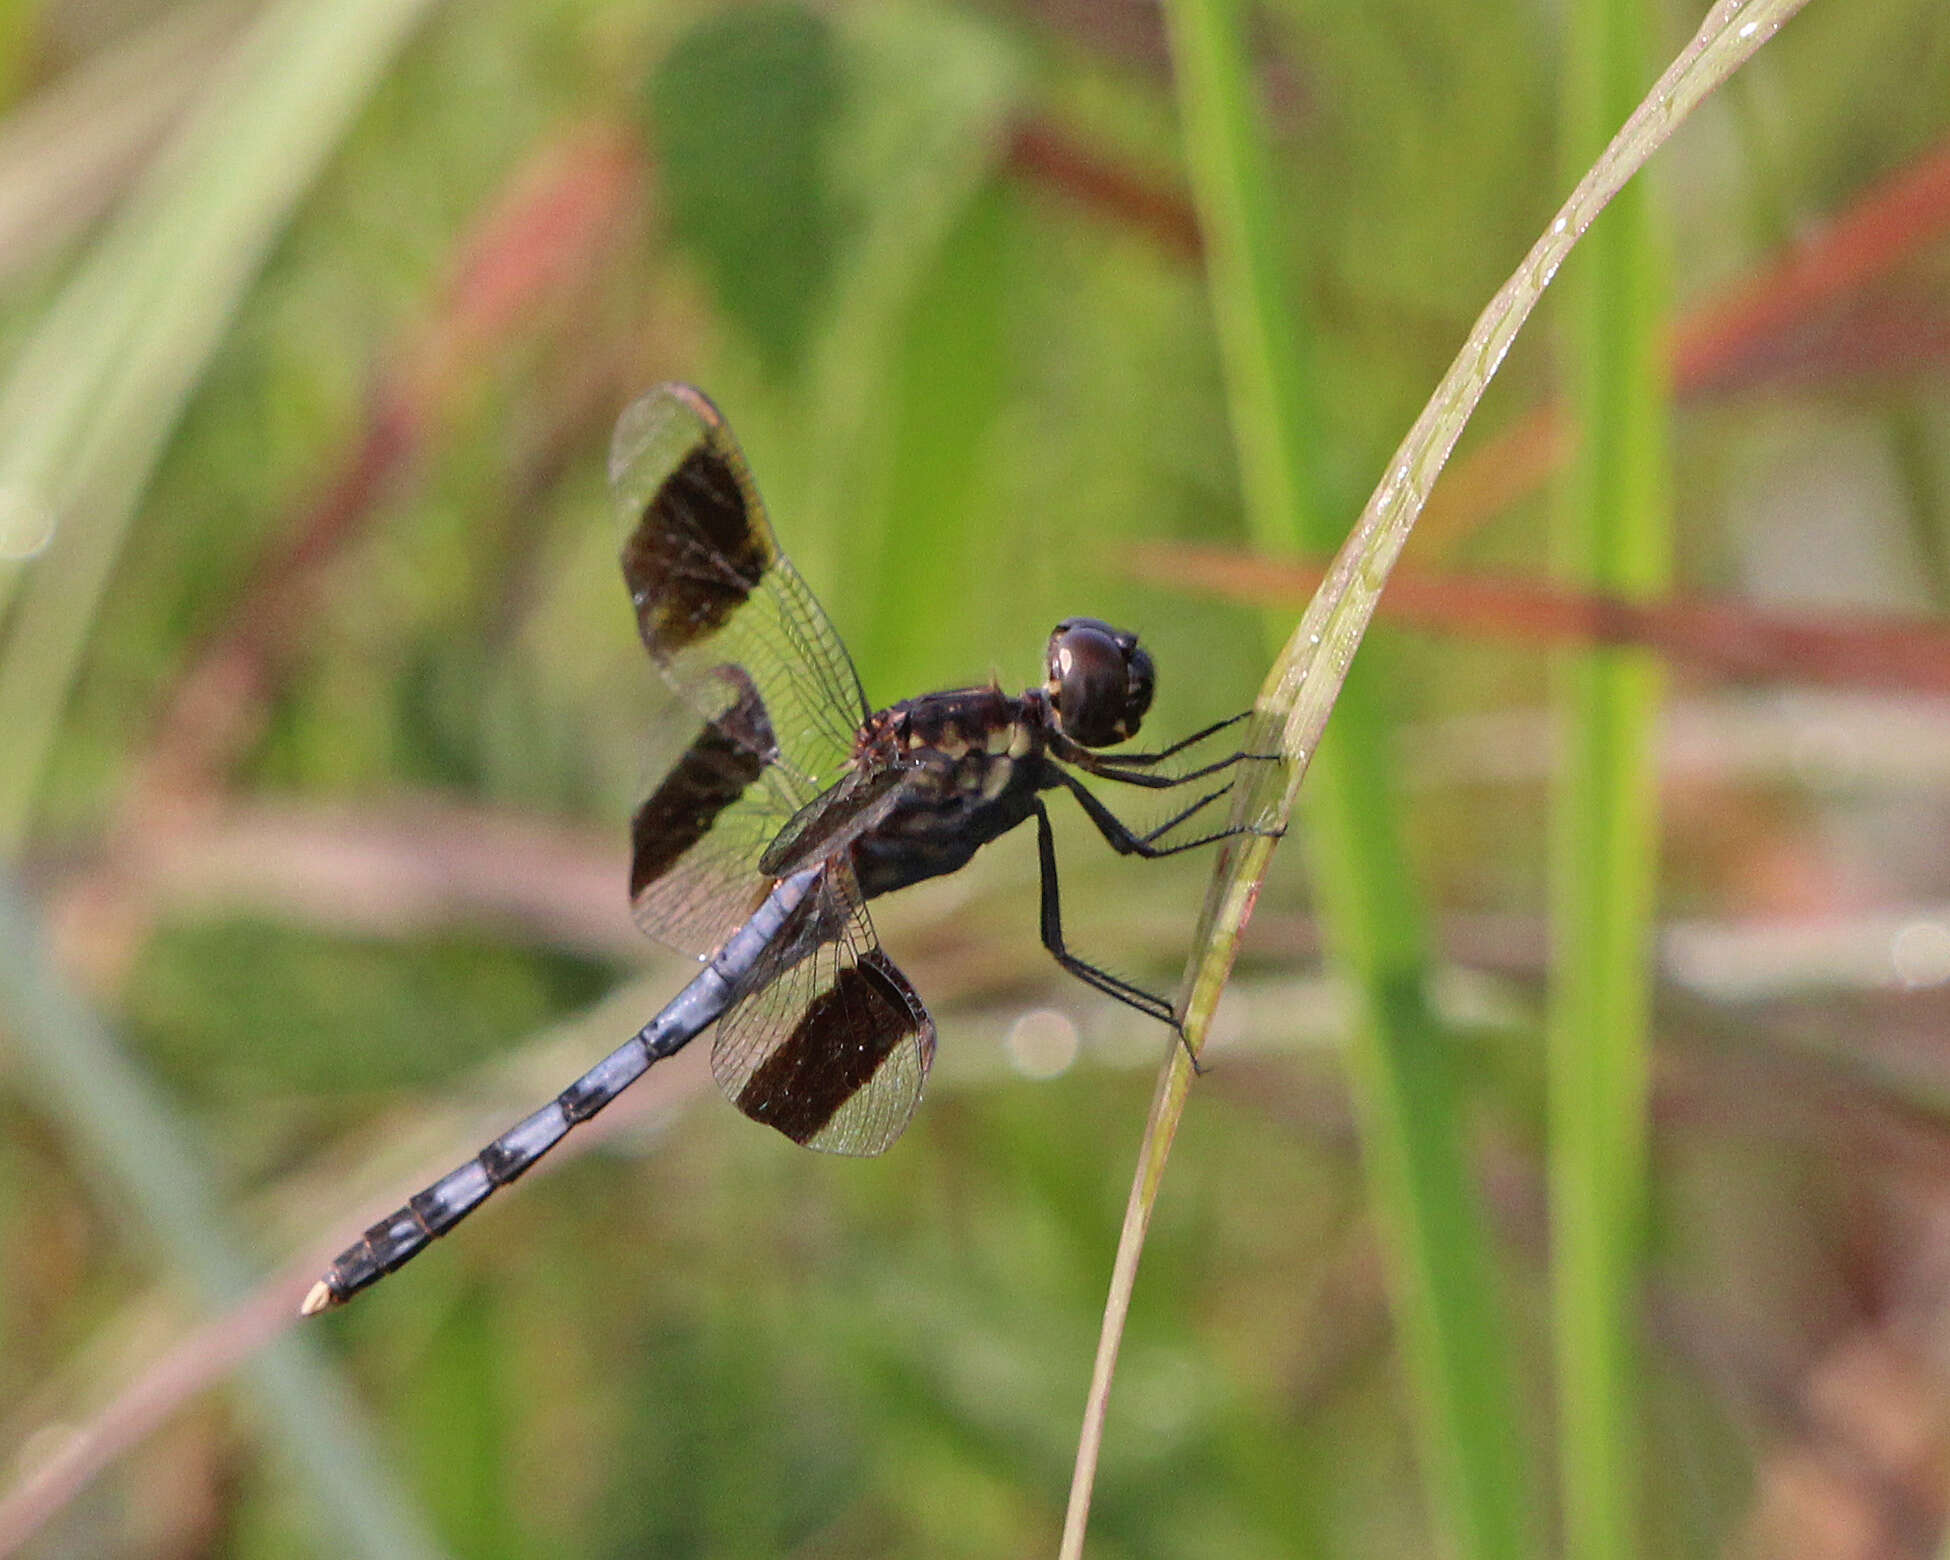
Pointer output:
x,y
1745,336
539,245
1726,639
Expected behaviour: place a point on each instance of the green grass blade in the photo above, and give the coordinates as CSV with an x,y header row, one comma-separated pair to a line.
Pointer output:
x,y
1611,534
88,403
67,152
1262,341
1305,681
123,1133
1400,1070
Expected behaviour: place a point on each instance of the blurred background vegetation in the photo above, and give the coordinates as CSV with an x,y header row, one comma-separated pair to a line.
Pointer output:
x,y
321,716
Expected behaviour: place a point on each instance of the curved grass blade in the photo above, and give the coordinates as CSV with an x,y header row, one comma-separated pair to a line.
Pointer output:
x,y
1305,681
1401,1071
88,404
122,1132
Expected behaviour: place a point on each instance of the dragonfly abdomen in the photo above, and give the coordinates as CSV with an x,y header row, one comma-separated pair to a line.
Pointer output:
x,y
433,1212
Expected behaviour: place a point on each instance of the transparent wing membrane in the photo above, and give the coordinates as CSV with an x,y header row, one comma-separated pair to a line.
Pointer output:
x,y
829,1043
738,635
711,587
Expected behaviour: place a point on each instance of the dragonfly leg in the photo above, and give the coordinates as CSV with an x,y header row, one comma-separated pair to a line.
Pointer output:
x,y
1091,975
1217,726
1126,841
1115,768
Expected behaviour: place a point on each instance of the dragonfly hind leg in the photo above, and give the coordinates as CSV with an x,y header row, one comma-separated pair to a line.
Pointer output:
x,y
1097,978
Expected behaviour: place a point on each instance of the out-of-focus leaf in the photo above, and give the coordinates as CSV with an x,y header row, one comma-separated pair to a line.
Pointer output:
x,y
742,110
67,151
457,1419
130,1140
927,102
254,1009
17,20
931,94
950,376
88,403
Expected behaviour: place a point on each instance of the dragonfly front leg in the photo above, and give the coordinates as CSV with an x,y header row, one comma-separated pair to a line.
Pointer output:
x,y
1132,768
1182,743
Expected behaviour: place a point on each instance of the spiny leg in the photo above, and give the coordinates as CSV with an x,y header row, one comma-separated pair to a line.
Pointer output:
x,y
1181,816
1109,769
1112,767
1182,743
1102,980
1126,841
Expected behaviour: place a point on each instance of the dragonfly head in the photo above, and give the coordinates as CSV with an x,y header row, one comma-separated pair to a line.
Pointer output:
x,y
1099,681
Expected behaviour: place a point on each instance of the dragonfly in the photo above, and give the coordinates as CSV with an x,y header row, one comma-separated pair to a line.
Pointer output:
x,y
794,803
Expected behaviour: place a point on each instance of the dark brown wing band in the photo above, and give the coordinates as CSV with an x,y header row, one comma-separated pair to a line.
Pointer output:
x,y
696,555
835,1049
724,761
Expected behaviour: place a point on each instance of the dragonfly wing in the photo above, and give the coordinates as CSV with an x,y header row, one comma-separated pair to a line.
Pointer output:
x,y
697,839
735,631
829,1043
713,591
707,848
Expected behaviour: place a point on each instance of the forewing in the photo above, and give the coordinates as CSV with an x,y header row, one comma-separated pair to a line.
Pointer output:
x,y
829,1043
711,589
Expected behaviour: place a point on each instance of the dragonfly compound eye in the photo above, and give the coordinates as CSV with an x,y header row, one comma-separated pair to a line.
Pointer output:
x,y
1100,681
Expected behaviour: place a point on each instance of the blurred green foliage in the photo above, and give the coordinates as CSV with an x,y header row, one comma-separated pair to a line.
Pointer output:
x,y
743,111
965,393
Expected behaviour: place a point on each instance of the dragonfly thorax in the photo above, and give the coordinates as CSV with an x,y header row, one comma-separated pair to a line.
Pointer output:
x,y
951,726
